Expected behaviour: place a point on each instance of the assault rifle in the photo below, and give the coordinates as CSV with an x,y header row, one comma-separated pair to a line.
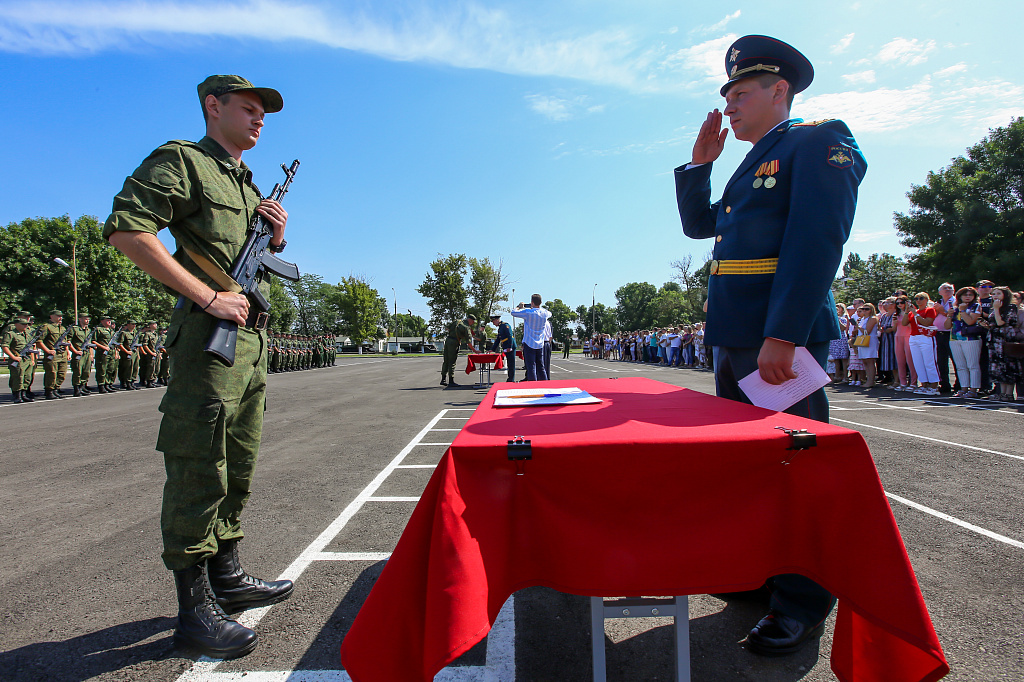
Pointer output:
x,y
87,344
115,340
60,345
135,339
30,347
253,262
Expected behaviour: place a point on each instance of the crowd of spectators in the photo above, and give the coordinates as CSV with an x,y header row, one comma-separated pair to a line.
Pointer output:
x,y
909,341
680,346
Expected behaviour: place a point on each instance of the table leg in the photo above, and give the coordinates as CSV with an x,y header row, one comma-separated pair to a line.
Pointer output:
x,y
677,607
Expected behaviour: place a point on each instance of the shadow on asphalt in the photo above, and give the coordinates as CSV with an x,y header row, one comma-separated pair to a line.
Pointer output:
x,y
87,656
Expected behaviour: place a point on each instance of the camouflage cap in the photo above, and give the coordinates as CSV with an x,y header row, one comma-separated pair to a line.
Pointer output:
x,y
84,313
105,318
221,85
22,320
151,322
56,312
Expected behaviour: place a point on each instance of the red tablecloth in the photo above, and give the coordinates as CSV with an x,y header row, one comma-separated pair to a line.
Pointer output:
x,y
480,532
485,359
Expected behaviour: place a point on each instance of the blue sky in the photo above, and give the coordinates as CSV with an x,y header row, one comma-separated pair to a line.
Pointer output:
x,y
541,134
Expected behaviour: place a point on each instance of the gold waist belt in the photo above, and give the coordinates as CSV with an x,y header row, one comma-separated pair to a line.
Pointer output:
x,y
761,266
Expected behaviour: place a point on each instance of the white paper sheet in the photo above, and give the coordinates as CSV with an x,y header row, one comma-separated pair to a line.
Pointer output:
x,y
527,397
809,378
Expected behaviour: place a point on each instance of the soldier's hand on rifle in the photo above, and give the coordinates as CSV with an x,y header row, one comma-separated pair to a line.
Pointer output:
x,y
276,216
229,306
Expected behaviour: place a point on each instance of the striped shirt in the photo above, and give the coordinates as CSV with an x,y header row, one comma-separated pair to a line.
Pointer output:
x,y
534,320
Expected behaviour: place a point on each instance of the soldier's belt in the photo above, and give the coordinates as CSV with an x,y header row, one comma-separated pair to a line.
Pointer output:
x,y
761,266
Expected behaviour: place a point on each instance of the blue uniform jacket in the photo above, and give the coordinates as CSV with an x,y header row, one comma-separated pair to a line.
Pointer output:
x,y
804,220
504,341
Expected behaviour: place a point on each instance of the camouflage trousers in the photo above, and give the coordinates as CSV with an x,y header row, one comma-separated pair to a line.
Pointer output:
x,y
15,380
80,368
451,356
128,368
54,372
210,437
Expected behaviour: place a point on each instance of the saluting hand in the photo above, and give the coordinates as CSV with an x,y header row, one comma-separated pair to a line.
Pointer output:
x,y
710,140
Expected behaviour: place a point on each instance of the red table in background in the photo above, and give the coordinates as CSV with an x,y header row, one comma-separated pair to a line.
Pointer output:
x,y
752,509
496,359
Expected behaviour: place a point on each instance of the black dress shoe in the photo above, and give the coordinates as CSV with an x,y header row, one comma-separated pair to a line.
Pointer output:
x,y
443,382
779,635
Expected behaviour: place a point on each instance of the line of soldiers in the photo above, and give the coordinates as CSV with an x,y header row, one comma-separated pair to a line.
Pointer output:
x,y
124,355
290,352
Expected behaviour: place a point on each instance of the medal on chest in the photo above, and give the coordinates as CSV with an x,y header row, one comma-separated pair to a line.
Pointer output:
x,y
765,175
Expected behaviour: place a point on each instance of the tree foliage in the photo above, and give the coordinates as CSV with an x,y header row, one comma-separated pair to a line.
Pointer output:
x,y
313,314
967,220
488,286
360,309
562,316
596,319
875,279
108,283
636,305
693,282
445,290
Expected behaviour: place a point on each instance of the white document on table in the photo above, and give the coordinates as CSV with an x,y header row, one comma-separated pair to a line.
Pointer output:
x,y
523,397
809,378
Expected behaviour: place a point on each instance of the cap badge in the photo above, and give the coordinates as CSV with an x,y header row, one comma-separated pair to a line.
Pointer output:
x,y
734,54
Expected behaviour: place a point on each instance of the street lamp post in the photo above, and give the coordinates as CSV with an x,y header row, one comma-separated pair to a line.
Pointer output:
x,y
395,318
593,311
74,274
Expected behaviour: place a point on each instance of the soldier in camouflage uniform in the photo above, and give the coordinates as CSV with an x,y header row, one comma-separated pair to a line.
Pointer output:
x,y
213,414
103,352
458,332
55,355
14,343
81,357
127,356
163,373
148,361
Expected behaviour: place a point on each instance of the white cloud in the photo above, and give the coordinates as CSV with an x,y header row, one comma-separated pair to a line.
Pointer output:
x,y
949,71
699,63
560,108
720,26
862,237
843,43
860,77
922,106
909,52
466,35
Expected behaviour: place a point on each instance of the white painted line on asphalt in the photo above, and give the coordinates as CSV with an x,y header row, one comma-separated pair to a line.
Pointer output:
x,y
444,444
459,409
203,670
500,663
589,365
352,556
432,430
391,499
461,419
416,466
935,440
953,519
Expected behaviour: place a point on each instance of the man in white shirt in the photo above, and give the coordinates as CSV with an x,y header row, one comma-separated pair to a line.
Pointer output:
x,y
534,318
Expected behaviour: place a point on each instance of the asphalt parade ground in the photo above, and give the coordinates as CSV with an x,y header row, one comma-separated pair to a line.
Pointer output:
x,y
347,451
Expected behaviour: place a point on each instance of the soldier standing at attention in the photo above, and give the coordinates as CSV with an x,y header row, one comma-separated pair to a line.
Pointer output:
x,y
101,338
779,231
14,342
127,356
457,333
212,414
148,355
55,359
164,371
80,357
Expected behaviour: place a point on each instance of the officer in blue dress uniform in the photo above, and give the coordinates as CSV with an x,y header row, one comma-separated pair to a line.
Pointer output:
x,y
505,342
779,231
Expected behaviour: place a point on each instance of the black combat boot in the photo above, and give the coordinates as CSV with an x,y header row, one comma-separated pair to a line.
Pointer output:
x,y
57,393
202,623
101,388
76,392
26,396
111,388
16,397
48,394
85,389
235,589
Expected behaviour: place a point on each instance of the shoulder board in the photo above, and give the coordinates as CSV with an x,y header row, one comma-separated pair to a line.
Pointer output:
x,y
813,123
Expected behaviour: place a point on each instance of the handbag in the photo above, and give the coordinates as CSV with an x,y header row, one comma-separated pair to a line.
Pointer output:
x,y
862,341
1013,349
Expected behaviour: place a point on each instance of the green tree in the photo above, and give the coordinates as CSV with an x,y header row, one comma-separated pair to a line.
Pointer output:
x,y
671,306
108,282
360,308
488,286
635,309
313,314
967,220
407,324
282,308
874,279
445,290
597,318
693,284
561,317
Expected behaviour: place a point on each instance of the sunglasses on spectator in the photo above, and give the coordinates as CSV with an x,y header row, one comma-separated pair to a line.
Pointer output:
x,y
984,286
864,308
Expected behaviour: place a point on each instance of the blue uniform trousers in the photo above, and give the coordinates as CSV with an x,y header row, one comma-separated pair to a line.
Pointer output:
x,y
794,595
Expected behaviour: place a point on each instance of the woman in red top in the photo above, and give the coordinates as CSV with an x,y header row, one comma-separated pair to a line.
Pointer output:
x,y
922,342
